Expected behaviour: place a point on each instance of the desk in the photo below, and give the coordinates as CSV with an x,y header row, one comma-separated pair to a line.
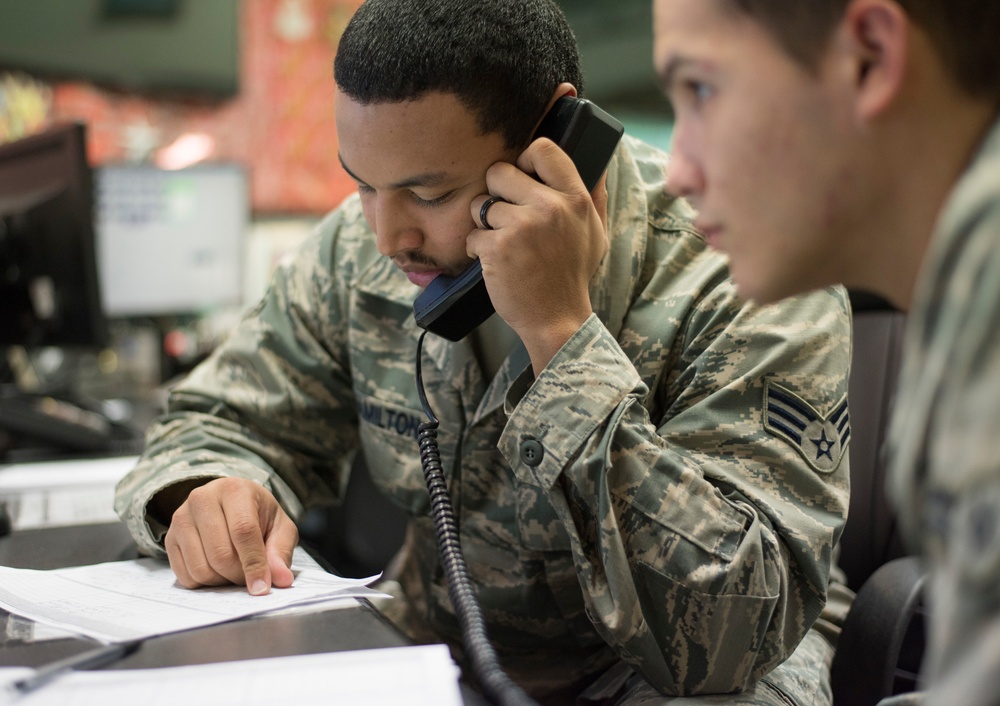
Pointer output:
x,y
354,628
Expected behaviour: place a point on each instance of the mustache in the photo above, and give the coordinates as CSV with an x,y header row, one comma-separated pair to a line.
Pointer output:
x,y
407,259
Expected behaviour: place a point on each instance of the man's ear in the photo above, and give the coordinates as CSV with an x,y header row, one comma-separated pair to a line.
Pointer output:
x,y
877,32
563,89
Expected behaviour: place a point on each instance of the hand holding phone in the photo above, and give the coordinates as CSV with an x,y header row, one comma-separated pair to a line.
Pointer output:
x,y
453,307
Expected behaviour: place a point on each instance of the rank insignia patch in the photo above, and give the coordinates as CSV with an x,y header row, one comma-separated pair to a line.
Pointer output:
x,y
821,440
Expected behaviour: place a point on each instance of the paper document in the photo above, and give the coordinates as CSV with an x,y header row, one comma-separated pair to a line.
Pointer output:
x,y
25,630
415,676
128,600
60,493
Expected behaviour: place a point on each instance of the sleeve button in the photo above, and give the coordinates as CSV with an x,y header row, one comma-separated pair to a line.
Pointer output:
x,y
531,452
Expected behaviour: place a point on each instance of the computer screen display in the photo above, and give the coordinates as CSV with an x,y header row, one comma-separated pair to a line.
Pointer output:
x,y
171,242
49,286
162,47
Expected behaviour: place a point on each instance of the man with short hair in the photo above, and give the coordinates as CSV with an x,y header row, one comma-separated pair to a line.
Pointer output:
x,y
858,142
634,524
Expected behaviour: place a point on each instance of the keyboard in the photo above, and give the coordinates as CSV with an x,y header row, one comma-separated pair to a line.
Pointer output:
x,y
60,423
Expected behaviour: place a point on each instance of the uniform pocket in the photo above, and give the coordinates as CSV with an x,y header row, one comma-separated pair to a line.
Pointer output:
x,y
538,524
546,544
712,639
389,441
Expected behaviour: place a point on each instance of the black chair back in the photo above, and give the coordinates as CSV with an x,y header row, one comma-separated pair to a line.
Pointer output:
x,y
882,641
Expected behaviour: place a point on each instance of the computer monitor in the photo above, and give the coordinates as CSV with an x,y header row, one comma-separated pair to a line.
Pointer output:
x,y
161,47
49,286
170,242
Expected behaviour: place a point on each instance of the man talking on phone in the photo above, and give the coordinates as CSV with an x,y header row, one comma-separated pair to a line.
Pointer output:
x,y
636,525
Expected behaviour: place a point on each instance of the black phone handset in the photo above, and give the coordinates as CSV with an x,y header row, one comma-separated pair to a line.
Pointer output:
x,y
453,307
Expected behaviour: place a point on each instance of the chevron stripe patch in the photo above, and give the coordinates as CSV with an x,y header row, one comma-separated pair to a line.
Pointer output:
x,y
820,440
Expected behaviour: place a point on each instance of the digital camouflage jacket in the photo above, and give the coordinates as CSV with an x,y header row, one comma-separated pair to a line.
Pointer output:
x,y
944,442
667,492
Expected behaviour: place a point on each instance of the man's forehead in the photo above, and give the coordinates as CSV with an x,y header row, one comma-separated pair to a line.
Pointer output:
x,y
681,24
680,39
698,33
433,141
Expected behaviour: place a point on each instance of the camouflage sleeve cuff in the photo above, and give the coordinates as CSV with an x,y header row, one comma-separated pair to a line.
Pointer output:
x,y
582,386
137,489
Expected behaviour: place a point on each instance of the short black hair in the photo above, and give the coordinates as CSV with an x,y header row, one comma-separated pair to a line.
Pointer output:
x,y
500,58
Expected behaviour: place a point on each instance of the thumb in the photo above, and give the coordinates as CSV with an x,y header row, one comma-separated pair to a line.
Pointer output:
x,y
600,197
259,582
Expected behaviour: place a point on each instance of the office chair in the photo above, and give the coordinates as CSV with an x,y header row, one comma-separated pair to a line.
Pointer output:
x,y
359,536
882,642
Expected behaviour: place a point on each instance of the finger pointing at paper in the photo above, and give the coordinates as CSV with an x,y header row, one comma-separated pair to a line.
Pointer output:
x,y
231,530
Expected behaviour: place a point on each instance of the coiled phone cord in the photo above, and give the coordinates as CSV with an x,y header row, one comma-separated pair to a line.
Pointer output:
x,y
498,687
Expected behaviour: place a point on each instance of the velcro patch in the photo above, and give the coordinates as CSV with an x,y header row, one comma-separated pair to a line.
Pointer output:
x,y
820,440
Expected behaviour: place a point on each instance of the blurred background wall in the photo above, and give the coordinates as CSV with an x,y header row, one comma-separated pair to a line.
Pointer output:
x,y
247,81
274,114
167,84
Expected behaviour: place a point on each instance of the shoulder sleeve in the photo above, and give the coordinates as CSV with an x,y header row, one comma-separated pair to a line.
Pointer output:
x,y
273,403
702,532
945,450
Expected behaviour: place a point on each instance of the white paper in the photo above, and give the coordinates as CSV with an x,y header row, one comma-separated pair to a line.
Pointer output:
x,y
49,474
61,493
415,676
128,600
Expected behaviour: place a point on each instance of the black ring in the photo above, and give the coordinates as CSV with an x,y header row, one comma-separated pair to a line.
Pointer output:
x,y
486,207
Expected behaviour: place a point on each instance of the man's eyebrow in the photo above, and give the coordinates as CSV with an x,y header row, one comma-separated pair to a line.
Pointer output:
x,y
428,179
348,170
668,75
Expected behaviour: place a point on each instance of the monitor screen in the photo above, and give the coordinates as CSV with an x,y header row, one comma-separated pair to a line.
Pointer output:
x,y
152,46
171,242
49,291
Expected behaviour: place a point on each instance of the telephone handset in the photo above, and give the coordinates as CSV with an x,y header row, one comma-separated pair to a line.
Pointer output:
x,y
453,307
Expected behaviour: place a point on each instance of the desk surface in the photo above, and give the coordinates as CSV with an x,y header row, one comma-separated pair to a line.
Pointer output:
x,y
355,628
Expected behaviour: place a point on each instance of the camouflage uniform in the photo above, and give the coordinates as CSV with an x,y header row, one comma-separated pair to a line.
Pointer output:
x,y
944,441
666,494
